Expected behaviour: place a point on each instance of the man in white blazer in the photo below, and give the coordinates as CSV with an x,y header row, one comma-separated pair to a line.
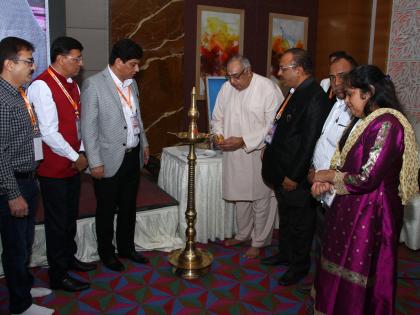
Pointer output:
x,y
116,148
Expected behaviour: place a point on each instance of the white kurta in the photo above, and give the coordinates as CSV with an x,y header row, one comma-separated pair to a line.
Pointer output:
x,y
247,114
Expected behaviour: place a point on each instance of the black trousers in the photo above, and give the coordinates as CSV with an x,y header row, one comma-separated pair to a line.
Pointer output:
x,y
60,197
319,232
117,194
296,228
17,236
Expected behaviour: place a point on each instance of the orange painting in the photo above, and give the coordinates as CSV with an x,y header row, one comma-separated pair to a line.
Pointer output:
x,y
286,31
219,37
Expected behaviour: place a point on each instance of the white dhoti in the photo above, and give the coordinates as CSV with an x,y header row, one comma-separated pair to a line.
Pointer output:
x,y
256,220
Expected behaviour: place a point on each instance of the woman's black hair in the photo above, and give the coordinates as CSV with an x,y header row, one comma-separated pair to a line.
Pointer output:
x,y
370,79
383,92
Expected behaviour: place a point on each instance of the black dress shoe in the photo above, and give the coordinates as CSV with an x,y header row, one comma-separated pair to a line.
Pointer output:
x,y
81,266
291,277
274,260
136,257
113,263
70,284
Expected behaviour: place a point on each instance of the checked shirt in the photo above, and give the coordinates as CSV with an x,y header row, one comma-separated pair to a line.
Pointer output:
x,y
16,139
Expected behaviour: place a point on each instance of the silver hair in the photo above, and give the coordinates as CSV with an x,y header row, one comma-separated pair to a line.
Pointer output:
x,y
242,60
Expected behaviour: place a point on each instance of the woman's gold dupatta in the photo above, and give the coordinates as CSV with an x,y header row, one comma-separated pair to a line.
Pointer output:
x,y
409,171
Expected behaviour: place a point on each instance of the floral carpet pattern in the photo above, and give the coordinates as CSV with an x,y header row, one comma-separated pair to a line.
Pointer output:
x,y
234,286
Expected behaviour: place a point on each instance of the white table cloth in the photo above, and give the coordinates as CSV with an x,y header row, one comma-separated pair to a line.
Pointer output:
x,y
215,217
410,233
155,230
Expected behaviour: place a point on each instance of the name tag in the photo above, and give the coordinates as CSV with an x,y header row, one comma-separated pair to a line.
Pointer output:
x,y
38,149
135,123
269,137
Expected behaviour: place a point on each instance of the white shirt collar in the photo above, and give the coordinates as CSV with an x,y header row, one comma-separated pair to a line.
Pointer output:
x,y
69,80
117,81
340,103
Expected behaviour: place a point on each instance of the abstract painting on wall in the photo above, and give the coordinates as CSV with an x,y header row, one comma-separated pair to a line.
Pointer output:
x,y
219,36
284,32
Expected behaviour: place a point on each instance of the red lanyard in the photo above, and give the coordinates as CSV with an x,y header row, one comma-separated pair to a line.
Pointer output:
x,y
126,100
71,100
28,107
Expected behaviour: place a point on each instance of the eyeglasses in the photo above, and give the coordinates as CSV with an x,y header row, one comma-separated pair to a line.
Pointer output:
x,y
77,59
284,68
235,76
30,61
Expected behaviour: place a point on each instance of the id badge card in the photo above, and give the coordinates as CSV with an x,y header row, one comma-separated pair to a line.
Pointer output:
x,y
269,137
79,130
38,149
135,123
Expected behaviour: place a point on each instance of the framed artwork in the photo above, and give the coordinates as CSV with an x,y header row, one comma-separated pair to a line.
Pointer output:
x,y
213,86
219,36
284,32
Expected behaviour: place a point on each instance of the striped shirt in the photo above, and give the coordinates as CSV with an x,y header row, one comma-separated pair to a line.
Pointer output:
x,y
16,139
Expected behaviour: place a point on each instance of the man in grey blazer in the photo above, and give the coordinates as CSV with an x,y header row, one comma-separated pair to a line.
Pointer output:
x,y
116,148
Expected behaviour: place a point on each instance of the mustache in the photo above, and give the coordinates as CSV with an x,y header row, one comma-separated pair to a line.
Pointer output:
x,y
31,72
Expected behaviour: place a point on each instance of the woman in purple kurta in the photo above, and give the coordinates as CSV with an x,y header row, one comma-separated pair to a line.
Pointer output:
x,y
357,269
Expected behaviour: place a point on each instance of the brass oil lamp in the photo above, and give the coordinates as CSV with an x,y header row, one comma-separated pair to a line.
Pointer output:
x,y
191,262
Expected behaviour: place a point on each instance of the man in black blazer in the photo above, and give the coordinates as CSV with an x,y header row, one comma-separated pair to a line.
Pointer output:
x,y
287,159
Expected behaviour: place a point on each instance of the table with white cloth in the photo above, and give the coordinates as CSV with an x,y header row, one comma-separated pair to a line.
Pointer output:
x,y
410,234
215,216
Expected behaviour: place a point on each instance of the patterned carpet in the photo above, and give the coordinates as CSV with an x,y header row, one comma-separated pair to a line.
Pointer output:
x,y
234,286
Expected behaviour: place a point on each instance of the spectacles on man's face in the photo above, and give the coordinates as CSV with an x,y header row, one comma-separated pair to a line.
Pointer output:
x,y
77,59
235,76
30,61
284,68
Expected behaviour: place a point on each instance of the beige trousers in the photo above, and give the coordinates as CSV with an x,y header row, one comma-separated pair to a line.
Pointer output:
x,y
256,220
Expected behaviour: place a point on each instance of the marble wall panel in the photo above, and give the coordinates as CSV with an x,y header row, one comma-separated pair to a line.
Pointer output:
x,y
157,25
404,57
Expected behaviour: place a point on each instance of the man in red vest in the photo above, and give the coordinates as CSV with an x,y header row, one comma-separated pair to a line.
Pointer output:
x,y
56,99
